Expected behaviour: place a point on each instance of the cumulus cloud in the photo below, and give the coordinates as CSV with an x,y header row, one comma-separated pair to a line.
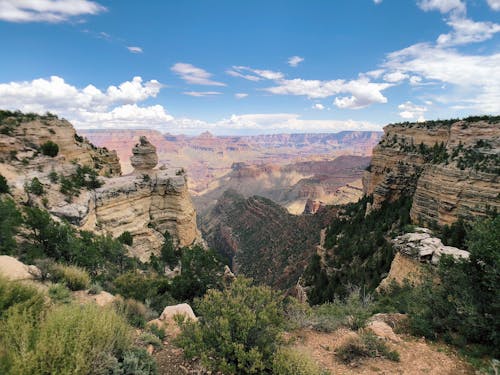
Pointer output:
x,y
443,6
201,94
476,78
412,111
46,10
194,75
395,77
240,95
377,1
135,49
467,31
294,61
494,4
318,106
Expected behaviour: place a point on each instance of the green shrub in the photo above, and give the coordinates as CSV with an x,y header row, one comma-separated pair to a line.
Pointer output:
x,y
71,339
147,338
126,238
53,177
50,148
14,294
289,361
75,278
4,186
136,313
138,362
10,220
351,312
35,187
157,331
366,345
59,293
95,288
239,330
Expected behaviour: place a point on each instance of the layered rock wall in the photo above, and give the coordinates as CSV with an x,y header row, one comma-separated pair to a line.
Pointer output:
x,y
450,168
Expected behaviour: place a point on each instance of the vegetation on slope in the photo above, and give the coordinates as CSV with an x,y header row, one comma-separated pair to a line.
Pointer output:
x,y
358,250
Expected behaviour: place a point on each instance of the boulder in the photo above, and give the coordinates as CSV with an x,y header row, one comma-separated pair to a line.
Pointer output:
x,y
383,330
144,157
182,309
13,269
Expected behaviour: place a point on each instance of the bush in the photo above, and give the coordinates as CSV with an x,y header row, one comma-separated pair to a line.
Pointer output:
x,y
10,220
53,177
35,187
70,339
95,288
147,338
50,148
157,331
4,187
366,345
239,330
292,361
19,295
136,313
126,238
351,312
138,362
75,278
59,293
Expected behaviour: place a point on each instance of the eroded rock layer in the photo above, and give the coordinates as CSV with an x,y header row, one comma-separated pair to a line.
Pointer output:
x,y
451,168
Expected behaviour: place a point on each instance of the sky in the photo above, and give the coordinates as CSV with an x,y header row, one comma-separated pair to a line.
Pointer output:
x,y
250,67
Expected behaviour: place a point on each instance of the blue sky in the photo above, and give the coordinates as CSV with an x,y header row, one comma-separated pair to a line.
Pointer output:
x,y
248,67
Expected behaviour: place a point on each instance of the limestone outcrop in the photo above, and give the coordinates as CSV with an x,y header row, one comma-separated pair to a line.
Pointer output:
x,y
147,208
450,168
144,156
13,269
421,245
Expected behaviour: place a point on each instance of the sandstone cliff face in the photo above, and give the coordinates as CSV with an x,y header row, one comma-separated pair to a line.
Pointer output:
x,y
450,168
22,137
147,208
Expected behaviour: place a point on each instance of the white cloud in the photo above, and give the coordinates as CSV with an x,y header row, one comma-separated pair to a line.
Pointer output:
x,y
294,61
46,10
377,1
444,6
135,49
474,79
494,4
257,74
201,94
411,111
318,106
467,31
395,77
241,95
194,75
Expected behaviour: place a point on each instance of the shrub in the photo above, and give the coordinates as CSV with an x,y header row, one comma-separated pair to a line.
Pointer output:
x,y
4,187
95,288
53,177
157,331
19,295
239,330
59,293
126,238
136,313
35,187
366,345
75,278
138,362
147,338
351,312
292,361
10,220
50,148
71,339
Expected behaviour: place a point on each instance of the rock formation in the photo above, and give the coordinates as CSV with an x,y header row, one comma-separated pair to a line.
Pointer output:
x,y
144,156
451,168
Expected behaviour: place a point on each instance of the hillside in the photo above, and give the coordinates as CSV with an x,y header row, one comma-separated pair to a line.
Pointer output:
x,y
262,239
